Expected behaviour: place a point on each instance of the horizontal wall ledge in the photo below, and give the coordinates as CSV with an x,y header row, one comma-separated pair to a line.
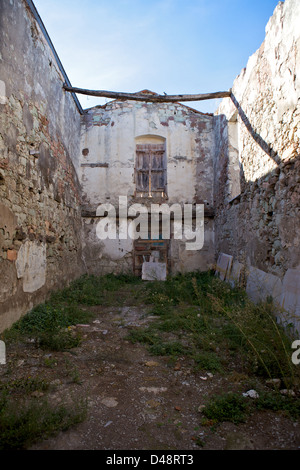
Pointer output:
x,y
90,212
95,165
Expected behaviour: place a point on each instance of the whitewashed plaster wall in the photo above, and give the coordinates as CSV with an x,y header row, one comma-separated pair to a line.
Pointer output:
x,y
109,133
108,151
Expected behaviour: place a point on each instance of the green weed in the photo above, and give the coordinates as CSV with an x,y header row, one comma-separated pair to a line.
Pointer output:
x,y
226,407
24,385
49,326
275,401
23,423
207,360
216,326
94,290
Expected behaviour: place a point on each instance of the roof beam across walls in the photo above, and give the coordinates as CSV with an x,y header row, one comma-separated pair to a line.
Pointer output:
x,y
148,96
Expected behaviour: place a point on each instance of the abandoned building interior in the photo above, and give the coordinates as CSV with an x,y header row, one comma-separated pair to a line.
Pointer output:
x,y
58,163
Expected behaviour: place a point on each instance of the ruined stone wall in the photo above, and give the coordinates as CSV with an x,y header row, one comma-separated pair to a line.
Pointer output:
x,y
108,157
40,241
259,225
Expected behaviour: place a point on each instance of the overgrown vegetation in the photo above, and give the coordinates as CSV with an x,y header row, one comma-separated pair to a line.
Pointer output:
x,y
196,317
236,408
49,325
217,327
24,419
226,407
23,422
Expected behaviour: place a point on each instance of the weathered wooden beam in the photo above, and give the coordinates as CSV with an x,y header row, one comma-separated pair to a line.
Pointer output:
x,y
147,96
95,165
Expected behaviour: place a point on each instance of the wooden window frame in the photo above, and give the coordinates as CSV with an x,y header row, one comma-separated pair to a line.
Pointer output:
x,y
143,168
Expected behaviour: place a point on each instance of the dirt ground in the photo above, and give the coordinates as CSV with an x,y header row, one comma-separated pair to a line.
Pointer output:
x,y
141,402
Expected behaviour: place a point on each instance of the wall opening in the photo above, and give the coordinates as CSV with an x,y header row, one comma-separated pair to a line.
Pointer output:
x,y
151,167
150,183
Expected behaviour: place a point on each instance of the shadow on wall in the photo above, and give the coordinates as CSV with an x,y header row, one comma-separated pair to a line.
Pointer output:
x,y
261,286
260,227
267,148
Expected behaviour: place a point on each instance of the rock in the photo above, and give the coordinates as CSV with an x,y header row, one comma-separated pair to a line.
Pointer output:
x,y
273,383
55,382
153,403
110,402
251,394
37,394
151,364
290,393
154,390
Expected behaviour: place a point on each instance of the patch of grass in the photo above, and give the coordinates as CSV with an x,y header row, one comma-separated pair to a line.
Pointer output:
x,y
24,419
155,344
48,324
263,341
24,385
229,406
218,327
168,348
275,401
72,372
24,423
143,335
207,360
94,290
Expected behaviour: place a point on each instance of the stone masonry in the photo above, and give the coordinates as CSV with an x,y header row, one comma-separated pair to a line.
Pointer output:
x,y
58,163
40,223
260,224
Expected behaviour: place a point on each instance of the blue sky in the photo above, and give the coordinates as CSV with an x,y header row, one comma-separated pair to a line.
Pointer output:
x,y
167,46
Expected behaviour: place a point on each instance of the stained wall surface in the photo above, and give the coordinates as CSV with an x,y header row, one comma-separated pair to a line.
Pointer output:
x,y
40,223
109,139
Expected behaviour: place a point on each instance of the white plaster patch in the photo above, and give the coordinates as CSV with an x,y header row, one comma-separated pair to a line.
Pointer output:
x,y
116,249
152,271
223,265
3,98
261,285
31,265
234,276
